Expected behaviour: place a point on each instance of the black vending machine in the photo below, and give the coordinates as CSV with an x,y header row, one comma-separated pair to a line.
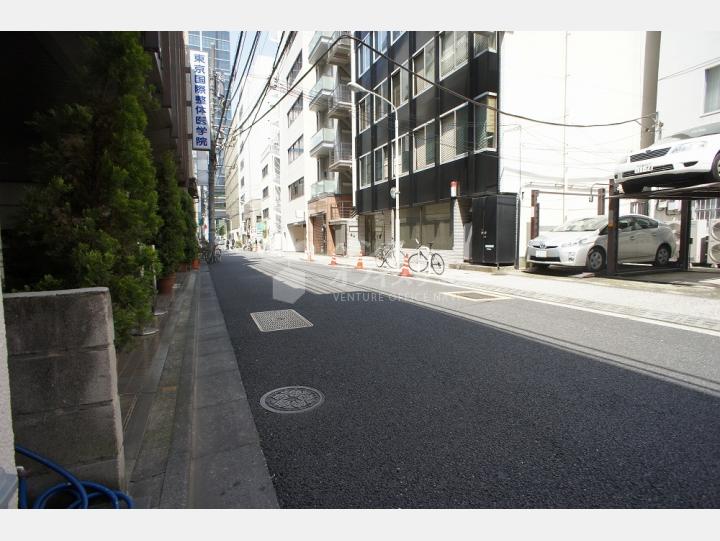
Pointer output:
x,y
494,219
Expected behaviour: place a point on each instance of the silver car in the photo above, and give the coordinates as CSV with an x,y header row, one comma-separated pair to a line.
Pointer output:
x,y
583,243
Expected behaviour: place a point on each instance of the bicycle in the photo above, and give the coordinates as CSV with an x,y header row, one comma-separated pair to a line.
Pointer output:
x,y
423,255
385,254
211,253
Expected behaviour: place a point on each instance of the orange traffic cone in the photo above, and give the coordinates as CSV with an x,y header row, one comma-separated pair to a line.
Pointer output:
x,y
359,264
332,261
405,271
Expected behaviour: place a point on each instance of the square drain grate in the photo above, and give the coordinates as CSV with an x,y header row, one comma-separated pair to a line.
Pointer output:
x,y
474,295
279,320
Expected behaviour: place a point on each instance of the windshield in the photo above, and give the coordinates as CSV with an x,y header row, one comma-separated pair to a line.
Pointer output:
x,y
584,224
699,131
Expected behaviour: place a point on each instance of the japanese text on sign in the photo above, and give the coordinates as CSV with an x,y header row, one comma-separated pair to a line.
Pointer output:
x,y
200,100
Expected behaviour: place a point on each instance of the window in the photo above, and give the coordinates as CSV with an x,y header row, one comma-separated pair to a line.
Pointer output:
x,y
294,70
453,51
706,209
424,65
363,55
381,106
712,89
364,170
380,39
381,164
266,213
296,110
404,151
395,35
242,165
424,141
399,84
297,188
484,41
295,150
485,123
242,182
453,134
363,114
264,171
266,192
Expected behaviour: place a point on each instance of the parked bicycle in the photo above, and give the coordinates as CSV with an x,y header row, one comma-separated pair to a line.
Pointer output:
x,y
385,255
211,253
423,256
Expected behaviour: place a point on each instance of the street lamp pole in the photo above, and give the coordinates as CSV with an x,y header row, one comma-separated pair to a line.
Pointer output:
x,y
358,88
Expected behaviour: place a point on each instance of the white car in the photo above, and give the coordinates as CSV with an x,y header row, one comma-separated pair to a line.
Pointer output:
x,y
583,243
689,156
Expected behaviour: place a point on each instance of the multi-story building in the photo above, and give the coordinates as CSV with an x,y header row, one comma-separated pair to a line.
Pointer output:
x,y
332,217
217,45
443,140
297,127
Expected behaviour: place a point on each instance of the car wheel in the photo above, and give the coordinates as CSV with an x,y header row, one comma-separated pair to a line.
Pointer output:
x,y
715,169
595,260
662,256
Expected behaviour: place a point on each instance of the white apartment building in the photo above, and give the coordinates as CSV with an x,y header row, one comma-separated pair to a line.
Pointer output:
x,y
569,78
246,161
297,127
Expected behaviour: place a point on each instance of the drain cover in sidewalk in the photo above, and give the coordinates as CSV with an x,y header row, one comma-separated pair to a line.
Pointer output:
x,y
279,320
294,399
474,295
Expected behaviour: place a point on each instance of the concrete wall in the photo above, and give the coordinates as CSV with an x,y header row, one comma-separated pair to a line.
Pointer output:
x,y
63,382
7,460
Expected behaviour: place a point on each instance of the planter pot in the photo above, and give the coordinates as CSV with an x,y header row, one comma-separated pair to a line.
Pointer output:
x,y
196,264
165,285
184,267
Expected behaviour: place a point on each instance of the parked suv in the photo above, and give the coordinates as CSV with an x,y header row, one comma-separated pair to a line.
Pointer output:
x,y
693,154
583,243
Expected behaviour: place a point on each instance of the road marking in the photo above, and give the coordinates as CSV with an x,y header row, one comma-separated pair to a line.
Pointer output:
x,y
475,295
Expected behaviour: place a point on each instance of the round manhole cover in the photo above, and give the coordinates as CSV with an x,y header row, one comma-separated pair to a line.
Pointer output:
x,y
294,399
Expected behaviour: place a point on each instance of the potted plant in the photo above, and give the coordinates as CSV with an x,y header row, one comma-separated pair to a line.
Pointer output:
x,y
170,240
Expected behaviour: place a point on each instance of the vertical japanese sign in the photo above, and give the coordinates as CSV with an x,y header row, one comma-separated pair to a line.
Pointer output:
x,y
201,97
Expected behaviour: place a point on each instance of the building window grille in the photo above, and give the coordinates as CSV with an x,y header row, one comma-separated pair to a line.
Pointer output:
x,y
453,134
484,41
424,142
381,164
399,84
364,170
712,89
424,65
381,106
485,123
453,51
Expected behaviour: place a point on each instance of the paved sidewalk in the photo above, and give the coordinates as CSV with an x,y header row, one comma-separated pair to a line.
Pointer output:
x,y
696,306
194,443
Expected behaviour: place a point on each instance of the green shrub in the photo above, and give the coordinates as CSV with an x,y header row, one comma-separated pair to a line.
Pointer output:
x,y
170,241
93,214
191,240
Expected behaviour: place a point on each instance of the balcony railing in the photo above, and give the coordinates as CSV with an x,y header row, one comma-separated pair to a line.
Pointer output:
x,y
322,141
340,101
340,156
321,92
326,186
319,44
343,210
270,149
340,52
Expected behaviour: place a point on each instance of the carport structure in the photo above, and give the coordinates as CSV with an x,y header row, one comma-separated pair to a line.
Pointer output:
x,y
684,189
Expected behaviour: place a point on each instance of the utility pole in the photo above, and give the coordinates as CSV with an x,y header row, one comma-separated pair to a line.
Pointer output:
x,y
564,137
648,126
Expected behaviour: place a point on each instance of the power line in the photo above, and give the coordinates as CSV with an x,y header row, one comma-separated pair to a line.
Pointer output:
x,y
378,53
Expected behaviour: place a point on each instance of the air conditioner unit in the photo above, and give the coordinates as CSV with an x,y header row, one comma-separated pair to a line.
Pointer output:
x,y
698,231
713,249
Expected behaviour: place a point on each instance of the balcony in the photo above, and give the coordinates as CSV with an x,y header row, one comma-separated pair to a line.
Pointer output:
x,y
340,52
343,211
273,148
321,93
340,157
322,142
324,187
319,45
340,102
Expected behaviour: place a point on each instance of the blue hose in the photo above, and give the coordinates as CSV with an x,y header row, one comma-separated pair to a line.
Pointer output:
x,y
76,488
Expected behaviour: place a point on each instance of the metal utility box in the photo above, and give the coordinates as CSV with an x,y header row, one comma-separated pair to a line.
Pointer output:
x,y
494,219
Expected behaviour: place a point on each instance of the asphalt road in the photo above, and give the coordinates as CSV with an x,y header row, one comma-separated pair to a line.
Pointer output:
x,y
453,403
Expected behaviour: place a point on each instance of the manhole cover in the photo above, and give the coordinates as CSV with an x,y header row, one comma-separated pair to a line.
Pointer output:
x,y
279,320
294,399
473,295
